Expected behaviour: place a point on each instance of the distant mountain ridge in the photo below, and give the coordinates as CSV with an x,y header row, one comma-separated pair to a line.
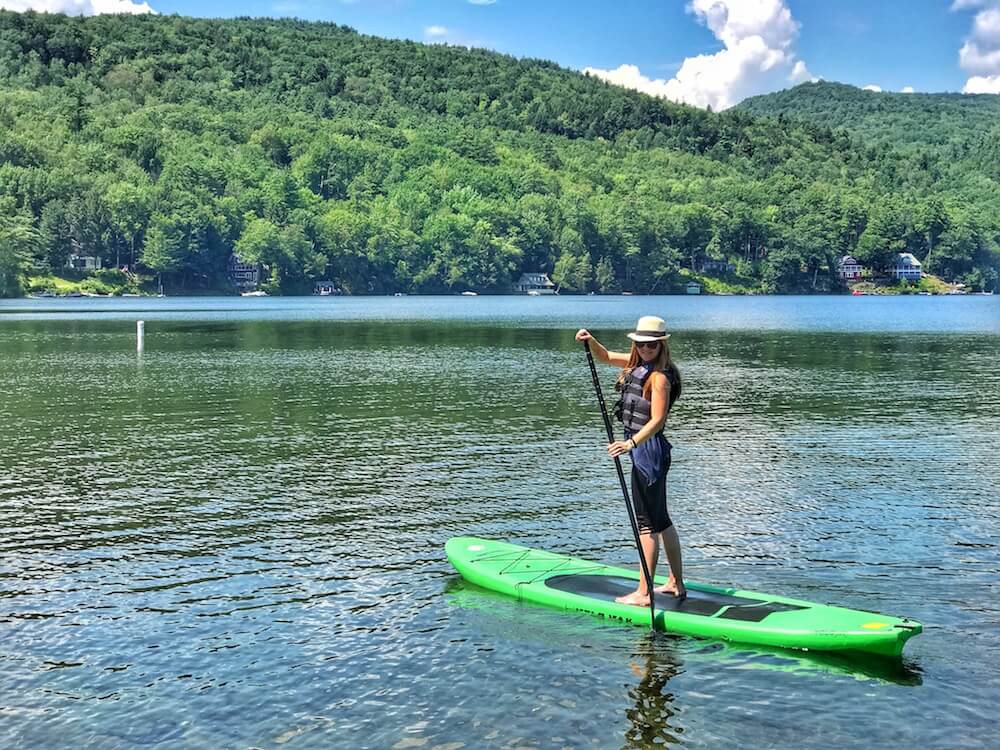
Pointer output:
x,y
902,120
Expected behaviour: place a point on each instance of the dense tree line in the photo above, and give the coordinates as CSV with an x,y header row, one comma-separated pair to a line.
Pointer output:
x,y
168,143
888,119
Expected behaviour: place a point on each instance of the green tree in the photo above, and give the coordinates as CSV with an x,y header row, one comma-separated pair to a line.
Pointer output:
x,y
19,240
166,245
128,208
604,277
883,238
782,271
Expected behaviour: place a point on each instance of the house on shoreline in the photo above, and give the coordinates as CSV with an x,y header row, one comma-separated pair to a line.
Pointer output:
x,y
85,263
243,275
713,265
849,269
535,283
906,267
326,288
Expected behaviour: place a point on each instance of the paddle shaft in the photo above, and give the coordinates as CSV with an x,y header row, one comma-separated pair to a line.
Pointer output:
x,y
621,480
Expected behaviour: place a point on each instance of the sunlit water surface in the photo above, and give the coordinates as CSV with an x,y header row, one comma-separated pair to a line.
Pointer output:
x,y
235,539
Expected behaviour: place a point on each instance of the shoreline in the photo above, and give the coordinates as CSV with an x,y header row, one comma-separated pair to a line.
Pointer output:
x,y
57,287
885,293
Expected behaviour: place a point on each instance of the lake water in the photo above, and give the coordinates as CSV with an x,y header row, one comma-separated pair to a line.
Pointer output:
x,y
236,539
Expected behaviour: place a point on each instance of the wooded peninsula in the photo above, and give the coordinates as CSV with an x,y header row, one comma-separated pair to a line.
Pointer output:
x,y
164,146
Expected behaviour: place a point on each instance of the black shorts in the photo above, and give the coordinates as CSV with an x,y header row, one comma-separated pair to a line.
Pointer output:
x,y
650,501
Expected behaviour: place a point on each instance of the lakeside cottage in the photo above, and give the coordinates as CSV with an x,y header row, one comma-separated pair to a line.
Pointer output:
x,y
84,262
535,283
906,267
325,288
243,275
849,269
693,287
717,266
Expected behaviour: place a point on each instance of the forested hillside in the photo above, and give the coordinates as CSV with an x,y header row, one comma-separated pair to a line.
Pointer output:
x,y
956,124
165,144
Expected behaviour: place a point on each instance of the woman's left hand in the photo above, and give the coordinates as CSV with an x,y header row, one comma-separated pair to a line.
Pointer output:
x,y
619,447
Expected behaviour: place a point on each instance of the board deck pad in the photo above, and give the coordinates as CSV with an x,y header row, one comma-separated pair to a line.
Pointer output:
x,y
706,603
708,611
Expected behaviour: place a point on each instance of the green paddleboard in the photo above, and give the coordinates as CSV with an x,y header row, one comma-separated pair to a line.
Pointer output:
x,y
708,611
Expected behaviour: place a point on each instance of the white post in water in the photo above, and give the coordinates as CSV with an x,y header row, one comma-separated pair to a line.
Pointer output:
x,y
140,334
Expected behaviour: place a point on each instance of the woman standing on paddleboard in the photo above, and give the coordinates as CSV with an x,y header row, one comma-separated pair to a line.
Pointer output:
x,y
649,384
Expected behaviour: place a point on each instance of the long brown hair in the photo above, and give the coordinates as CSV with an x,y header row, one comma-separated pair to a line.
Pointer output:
x,y
663,363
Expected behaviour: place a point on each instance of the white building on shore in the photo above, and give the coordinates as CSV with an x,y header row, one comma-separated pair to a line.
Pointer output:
x,y
906,267
849,269
535,283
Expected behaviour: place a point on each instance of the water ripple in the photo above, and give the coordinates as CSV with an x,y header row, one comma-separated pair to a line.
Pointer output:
x,y
236,540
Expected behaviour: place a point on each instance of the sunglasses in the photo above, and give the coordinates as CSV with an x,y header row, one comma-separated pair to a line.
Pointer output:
x,y
647,344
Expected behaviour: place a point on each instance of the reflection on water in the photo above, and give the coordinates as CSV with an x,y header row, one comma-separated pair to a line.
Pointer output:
x,y
237,539
651,719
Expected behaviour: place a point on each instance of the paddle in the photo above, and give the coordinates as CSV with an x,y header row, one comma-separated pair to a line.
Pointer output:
x,y
621,481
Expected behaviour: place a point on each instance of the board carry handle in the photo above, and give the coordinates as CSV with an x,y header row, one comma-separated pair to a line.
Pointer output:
x,y
621,481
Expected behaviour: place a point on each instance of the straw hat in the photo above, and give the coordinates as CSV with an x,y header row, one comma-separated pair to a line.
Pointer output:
x,y
649,328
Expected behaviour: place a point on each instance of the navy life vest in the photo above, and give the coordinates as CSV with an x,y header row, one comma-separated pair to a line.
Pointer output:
x,y
633,409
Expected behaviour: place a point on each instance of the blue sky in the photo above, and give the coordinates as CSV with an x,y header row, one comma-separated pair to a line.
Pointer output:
x,y
701,51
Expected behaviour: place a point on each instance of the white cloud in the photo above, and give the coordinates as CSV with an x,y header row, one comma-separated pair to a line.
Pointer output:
x,y
77,7
872,87
982,85
438,34
975,59
980,54
482,2
986,26
759,37
907,90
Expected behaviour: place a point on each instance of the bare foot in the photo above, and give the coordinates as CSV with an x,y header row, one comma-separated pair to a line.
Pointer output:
x,y
671,587
636,598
